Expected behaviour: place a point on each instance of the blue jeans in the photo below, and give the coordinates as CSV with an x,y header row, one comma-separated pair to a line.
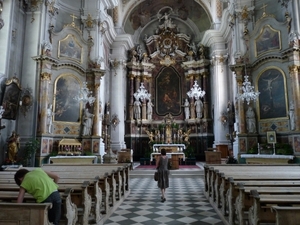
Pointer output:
x,y
55,212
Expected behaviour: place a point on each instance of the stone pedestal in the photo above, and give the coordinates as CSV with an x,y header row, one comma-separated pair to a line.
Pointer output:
x,y
110,157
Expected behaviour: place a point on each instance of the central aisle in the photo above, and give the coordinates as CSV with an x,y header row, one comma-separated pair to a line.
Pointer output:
x,y
185,204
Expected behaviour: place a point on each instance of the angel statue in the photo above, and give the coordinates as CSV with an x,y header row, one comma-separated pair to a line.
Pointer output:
x,y
185,136
150,135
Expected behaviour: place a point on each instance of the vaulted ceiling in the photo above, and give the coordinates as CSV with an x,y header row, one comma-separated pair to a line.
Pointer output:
x,y
191,18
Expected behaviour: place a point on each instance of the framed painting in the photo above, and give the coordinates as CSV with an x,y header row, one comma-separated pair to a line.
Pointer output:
x,y
11,99
66,108
272,99
70,48
168,92
268,40
271,137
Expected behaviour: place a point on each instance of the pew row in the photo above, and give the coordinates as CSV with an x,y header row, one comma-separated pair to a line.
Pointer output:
x,y
24,213
223,191
286,215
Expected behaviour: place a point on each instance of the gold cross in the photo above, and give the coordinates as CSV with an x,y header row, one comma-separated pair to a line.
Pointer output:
x,y
264,8
74,17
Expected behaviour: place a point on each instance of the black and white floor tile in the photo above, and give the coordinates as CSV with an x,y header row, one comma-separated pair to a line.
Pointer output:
x,y
185,203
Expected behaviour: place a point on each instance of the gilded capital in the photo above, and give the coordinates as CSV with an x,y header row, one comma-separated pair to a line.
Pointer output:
x,y
293,69
45,76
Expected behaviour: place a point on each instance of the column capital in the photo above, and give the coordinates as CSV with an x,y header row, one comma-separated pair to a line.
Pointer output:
x,y
45,76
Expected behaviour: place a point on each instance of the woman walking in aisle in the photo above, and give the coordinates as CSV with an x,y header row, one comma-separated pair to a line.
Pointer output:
x,y
163,173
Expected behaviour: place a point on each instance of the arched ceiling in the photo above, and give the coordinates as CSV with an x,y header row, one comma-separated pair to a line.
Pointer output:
x,y
190,17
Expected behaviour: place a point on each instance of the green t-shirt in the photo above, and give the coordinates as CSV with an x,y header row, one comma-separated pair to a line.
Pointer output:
x,y
39,184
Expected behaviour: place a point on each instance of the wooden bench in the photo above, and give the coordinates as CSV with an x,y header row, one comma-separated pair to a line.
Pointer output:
x,y
286,215
243,202
69,209
221,189
260,211
24,213
75,196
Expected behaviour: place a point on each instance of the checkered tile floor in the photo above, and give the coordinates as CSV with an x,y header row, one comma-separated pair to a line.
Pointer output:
x,y
185,203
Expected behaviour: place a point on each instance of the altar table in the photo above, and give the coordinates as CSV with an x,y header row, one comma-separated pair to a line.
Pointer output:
x,y
73,159
266,159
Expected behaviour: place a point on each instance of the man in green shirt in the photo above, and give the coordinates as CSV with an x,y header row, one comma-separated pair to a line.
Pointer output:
x,y
42,185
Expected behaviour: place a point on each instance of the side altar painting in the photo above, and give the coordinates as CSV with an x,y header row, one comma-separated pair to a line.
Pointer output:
x,y
70,48
272,98
67,109
268,40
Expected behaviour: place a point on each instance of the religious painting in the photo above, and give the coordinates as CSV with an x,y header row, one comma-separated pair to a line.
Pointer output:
x,y
168,92
242,145
271,137
66,108
45,146
268,40
70,48
11,99
272,97
96,147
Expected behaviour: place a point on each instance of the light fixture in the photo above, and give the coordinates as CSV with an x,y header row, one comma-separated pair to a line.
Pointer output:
x,y
196,91
142,94
85,95
248,92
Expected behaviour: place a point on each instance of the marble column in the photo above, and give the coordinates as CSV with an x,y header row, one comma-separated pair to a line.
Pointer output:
x,y
220,97
295,78
44,103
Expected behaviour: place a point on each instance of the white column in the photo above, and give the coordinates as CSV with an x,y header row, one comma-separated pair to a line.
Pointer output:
x,y
118,89
220,98
5,35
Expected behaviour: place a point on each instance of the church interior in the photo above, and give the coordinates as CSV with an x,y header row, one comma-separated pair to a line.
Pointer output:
x,y
211,81
209,75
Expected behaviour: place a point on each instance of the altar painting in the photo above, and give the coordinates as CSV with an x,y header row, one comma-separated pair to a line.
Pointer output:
x,y
268,40
66,108
272,98
168,92
70,48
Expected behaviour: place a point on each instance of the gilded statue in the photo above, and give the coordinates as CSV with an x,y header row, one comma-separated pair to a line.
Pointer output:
x,y
13,146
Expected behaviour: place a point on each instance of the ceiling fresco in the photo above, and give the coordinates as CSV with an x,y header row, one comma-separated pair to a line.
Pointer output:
x,y
189,16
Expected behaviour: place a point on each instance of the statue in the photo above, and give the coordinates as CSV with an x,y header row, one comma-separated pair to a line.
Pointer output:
x,y
150,135
187,109
137,109
87,123
185,136
149,110
199,108
13,146
251,122
49,118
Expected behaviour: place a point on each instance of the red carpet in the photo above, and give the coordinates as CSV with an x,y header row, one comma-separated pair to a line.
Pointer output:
x,y
143,167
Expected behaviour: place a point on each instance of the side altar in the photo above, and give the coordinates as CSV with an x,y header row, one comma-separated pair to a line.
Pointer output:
x,y
70,151
266,159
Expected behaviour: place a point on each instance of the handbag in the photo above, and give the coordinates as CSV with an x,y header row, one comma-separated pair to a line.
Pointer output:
x,y
156,176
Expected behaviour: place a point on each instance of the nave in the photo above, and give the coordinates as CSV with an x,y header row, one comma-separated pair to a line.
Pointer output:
x,y
185,201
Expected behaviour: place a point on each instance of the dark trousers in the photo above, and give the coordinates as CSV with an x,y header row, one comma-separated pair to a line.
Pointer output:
x,y
55,212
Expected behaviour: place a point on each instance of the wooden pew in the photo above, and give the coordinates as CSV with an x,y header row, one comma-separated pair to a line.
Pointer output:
x,y
286,215
242,200
219,188
69,209
24,213
106,178
260,211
